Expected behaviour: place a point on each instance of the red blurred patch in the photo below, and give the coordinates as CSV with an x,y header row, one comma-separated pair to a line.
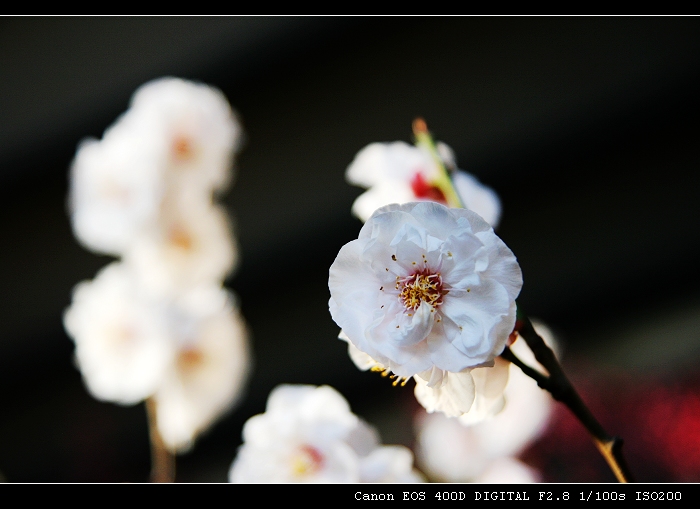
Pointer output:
x,y
425,191
658,419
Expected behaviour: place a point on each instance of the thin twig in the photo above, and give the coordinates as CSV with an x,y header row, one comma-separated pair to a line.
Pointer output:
x,y
162,460
561,389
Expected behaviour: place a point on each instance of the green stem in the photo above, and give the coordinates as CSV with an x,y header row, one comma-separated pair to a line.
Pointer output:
x,y
443,180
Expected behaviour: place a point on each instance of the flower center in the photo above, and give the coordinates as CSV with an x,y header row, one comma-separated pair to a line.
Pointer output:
x,y
424,190
182,148
308,461
420,287
180,238
189,358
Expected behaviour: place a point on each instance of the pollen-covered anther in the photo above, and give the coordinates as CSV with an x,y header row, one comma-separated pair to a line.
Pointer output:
x,y
422,286
386,372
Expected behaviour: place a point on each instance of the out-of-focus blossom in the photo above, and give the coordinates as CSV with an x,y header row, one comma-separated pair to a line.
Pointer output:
x,y
116,189
309,434
122,343
459,450
211,364
189,246
429,291
399,173
194,127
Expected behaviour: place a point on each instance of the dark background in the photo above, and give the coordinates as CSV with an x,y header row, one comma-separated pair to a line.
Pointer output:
x,y
586,127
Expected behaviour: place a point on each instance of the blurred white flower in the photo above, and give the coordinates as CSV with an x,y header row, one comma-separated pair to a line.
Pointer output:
x,y
194,126
211,364
309,434
426,290
116,190
399,173
122,343
458,450
188,246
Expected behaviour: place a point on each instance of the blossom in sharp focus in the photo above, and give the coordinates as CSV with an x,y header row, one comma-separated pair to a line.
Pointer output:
x,y
399,173
426,290
308,434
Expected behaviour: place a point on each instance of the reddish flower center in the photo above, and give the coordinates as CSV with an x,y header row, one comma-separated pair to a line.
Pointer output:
x,y
308,460
422,189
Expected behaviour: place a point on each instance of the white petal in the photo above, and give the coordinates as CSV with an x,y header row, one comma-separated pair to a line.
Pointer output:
x,y
382,162
389,464
489,389
477,197
453,398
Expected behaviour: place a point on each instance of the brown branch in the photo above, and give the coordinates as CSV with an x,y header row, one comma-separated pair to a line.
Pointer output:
x,y
561,389
162,460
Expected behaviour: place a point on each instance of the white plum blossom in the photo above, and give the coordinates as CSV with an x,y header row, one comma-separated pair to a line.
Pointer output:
x,y
429,291
460,450
211,364
389,464
122,343
116,189
191,355
309,435
193,126
399,173
189,246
